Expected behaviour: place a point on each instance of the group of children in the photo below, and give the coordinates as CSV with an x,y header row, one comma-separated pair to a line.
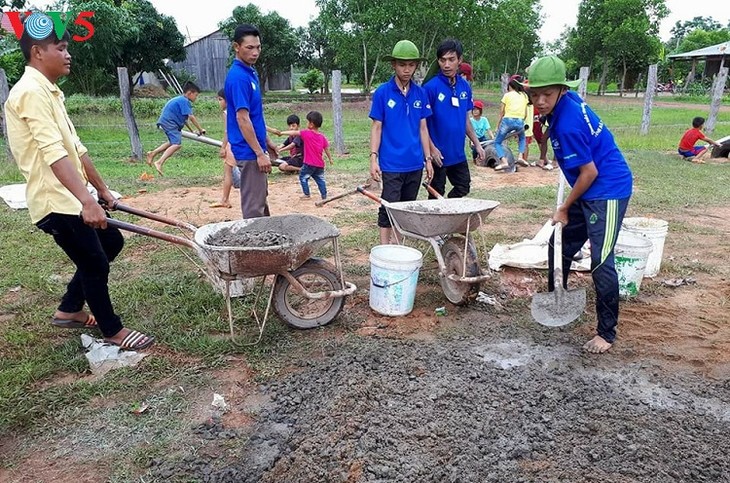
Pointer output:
x,y
303,149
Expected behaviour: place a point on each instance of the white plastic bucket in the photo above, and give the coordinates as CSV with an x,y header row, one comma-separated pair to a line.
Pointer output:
x,y
656,231
393,278
631,255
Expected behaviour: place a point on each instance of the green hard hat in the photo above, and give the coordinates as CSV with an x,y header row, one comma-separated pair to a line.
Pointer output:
x,y
549,71
404,50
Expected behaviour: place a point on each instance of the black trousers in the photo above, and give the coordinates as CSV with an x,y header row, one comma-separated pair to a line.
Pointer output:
x,y
458,175
90,250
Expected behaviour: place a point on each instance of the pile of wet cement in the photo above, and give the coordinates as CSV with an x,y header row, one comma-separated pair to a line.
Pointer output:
x,y
226,237
493,405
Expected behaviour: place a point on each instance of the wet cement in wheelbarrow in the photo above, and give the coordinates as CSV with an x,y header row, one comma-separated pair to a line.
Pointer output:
x,y
225,237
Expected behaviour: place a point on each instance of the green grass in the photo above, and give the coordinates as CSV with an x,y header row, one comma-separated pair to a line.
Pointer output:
x,y
156,288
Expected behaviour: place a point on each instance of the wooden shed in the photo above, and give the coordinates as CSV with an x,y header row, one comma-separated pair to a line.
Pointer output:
x,y
715,57
207,59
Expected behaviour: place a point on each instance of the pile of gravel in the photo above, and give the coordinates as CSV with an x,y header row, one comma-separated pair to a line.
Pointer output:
x,y
476,408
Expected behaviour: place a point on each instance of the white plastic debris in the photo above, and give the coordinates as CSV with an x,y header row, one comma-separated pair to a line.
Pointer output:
x,y
219,403
105,357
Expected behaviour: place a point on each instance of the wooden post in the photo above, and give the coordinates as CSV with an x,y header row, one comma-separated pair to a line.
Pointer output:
x,y
4,92
126,97
337,111
503,81
649,98
717,89
583,76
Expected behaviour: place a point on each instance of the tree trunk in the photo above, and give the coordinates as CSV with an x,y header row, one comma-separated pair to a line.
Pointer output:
x,y
604,74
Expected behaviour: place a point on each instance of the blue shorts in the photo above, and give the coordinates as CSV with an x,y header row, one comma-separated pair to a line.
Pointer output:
x,y
173,135
692,152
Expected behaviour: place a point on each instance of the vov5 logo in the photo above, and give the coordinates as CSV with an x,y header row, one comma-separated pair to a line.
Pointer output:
x,y
40,25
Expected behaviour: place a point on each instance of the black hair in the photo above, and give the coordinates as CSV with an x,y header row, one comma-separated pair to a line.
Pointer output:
x,y
293,119
449,45
27,41
516,86
191,87
315,118
698,121
222,93
245,30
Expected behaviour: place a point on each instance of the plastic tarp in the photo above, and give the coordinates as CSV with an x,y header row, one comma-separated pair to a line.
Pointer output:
x,y
14,195
533,253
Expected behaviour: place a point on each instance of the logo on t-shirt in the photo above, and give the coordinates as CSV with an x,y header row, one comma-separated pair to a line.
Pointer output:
x,y
441,97
417,104
253,85
391,103
462,95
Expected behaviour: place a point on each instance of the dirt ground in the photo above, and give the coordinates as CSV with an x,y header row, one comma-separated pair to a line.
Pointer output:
x,y
481,394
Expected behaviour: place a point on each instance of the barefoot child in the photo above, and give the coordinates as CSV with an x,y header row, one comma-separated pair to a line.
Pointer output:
x,y
687,146
315,143
175,115
601,184
231,175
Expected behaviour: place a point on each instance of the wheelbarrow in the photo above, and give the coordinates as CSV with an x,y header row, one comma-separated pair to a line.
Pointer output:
x,y
307,292
446,223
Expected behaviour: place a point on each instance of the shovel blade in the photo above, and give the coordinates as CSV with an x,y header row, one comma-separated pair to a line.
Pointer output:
x,y
558,308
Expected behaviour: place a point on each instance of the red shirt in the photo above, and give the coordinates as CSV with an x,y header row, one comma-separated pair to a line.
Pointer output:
x,y
690,137
314,144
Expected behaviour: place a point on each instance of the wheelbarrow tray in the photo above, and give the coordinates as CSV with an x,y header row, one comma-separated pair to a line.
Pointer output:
x,y
433,218
306,234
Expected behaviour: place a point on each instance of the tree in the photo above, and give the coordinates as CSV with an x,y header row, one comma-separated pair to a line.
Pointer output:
x,y
317,48
127,33
681,29
278,39
617,35
313,80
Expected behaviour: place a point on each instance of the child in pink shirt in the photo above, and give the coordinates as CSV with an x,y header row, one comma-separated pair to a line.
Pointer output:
x,y
315,145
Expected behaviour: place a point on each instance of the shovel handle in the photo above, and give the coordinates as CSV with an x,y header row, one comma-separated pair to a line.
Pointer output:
x,y
432,191
342,195
370,195
153,216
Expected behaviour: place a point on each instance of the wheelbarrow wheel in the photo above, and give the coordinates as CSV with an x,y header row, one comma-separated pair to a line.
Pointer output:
x,y
459,293
300,312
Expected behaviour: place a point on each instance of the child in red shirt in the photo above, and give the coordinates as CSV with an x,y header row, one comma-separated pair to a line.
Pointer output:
x,y
687,146
315,144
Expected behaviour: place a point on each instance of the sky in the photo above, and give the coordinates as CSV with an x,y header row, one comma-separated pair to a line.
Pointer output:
x,y
203,19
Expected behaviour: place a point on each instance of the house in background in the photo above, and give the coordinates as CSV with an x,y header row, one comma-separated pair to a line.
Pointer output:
x,y
206,59
715,57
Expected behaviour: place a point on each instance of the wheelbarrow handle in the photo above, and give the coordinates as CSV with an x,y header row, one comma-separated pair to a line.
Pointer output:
x,y
142,230
153,216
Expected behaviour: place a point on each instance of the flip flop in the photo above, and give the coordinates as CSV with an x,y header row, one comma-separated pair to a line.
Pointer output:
x,y
133,341
75,324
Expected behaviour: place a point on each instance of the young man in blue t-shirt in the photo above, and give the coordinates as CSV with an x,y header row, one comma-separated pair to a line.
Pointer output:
x,y
450,97
399,142
174,117
601,187
245,124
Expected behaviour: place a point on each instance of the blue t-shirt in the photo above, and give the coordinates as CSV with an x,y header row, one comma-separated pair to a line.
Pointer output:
x,y
447,126
400,142
480,126
175,113
243,92
578,136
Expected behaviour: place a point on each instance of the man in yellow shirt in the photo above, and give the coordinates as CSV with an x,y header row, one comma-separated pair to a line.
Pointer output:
x,y
57,168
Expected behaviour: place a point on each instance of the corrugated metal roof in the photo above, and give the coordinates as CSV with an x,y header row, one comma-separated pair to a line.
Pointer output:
x,y
711,51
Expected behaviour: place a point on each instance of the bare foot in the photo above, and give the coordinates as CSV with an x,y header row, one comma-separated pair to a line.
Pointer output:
x,y
698,161
305,197
158,167
221,204
597,345
150,157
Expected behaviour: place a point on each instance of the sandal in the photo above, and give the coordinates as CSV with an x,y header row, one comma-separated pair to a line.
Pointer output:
x,y
90,323
133,341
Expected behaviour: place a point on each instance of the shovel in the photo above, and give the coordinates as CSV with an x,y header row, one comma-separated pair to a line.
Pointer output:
x,y
370,182
559,307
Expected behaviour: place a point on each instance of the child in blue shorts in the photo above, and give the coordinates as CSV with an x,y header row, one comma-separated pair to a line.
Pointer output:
x,y
175,115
